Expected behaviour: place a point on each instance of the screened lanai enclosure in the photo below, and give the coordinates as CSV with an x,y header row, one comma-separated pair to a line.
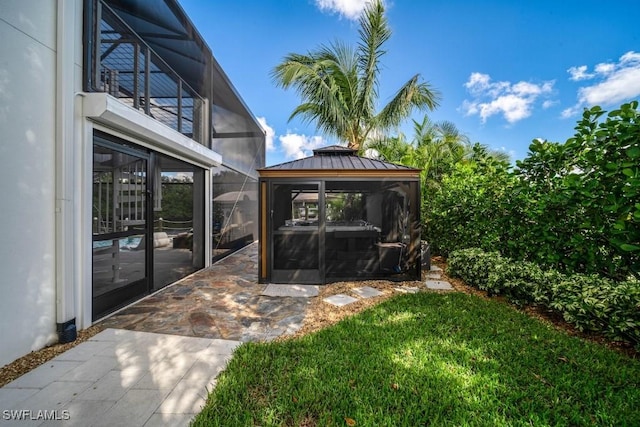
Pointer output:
x,y
337,216
162,208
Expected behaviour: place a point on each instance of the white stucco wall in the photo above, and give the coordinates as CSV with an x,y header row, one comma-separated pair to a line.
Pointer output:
x,y
46,172
27,176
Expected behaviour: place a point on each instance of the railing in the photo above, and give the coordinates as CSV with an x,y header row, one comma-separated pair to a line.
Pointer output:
x,y
124,66
172,227
119,197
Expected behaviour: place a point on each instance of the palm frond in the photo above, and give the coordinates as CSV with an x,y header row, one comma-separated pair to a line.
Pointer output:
x,y
374,31
413,94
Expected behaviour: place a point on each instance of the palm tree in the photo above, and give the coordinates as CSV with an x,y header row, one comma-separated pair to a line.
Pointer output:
x,y
394,149
441,145
480,152
339,84
435,148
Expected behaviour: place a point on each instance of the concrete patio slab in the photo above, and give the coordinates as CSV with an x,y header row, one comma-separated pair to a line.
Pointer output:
x,y
435,268
137,379
340,300
296,291
366,292
439,285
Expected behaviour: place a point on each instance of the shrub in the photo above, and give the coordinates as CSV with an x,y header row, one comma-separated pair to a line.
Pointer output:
x,y
589,302
593,303
473,265
572,207
468,207
520,281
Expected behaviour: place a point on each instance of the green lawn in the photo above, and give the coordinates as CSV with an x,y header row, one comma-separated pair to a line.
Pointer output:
x,y
428,359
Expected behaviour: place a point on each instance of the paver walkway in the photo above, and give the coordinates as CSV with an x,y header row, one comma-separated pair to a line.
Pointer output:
x,y
158,359
433,281
119,378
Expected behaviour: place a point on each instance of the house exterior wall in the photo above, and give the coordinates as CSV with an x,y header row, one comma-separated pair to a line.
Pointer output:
x,y
27,175
47,126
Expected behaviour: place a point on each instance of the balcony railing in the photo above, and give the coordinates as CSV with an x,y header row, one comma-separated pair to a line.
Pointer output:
x,y
124,66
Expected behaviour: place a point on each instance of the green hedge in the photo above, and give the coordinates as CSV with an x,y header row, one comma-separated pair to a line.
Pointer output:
x,y
589,302
572,207
473,266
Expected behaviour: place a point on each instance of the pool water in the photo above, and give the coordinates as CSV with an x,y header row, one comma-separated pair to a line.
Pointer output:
x,y
130,242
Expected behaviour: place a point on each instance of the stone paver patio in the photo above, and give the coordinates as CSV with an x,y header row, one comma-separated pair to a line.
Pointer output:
x,y
224,301
157,359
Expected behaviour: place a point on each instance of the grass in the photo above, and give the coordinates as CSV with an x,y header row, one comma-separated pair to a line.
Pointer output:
x,y
428,359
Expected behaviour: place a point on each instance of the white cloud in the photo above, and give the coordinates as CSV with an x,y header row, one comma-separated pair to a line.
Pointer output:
x,y
525,88
621,85
371,153
350,9
617,82
514,101
548,103
477,83
298,146
630,57
269,133
579,73
570,112
605,68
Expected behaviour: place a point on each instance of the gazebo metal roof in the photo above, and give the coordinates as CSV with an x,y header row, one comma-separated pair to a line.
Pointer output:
x,y
338,158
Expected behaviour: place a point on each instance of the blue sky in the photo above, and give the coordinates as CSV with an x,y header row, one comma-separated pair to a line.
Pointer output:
x,y
508,71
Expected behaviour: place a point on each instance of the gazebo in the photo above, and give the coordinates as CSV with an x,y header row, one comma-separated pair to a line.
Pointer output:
x,y
338,216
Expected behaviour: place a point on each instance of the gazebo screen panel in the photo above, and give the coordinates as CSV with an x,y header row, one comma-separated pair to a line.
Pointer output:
x,y
369,228
296,231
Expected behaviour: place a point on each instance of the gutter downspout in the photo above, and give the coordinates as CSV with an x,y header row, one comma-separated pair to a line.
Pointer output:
x,y
64,180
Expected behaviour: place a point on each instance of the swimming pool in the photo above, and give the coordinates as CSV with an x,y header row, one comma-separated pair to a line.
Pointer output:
x,y
126,243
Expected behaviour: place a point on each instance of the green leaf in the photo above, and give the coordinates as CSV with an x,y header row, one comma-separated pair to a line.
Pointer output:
x,y
611,166
629,248
633,152
628,172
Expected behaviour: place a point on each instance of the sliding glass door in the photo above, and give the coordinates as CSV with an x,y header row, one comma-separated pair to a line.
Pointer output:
x,y
148,222
121,232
